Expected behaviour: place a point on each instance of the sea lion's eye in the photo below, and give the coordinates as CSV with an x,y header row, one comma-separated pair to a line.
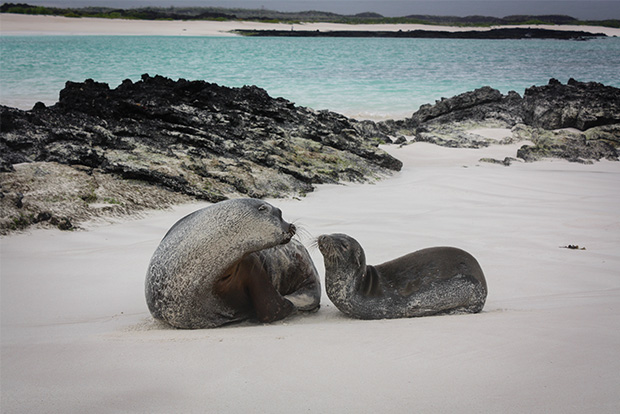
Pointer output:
x,y
263,207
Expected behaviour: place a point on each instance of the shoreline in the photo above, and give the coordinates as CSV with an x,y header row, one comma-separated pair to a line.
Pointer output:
x,y
19,25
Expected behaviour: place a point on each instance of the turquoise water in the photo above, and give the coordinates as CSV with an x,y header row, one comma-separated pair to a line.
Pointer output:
x,y
372,78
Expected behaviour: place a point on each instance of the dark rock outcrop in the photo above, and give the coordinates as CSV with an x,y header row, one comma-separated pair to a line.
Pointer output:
x,y
544,115
447,121
478,105
191,138
196,138
155,142
578,105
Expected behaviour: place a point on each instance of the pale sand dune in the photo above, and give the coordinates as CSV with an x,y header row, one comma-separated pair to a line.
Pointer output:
x,y
76,335
16,24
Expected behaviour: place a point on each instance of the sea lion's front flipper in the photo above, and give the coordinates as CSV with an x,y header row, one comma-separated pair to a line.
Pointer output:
x,y
269,305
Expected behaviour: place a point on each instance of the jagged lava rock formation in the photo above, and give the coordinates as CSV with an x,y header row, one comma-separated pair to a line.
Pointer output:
x,y
579,121
155,142
191,137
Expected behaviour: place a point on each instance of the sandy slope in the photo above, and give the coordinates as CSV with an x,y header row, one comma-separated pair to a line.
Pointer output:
x,y
76,335
13,24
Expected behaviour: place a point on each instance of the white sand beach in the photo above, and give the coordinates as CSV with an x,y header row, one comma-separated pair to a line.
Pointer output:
x,y
17,24
76,335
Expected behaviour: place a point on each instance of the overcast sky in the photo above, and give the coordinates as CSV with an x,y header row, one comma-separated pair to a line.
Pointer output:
x,y
584,9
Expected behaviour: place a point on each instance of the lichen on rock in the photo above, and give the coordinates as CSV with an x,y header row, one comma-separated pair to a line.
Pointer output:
x,y
190,138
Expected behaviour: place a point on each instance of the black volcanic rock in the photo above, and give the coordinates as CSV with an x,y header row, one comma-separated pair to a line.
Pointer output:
x,y
196,138
476,105
446,122
580,105
152,143
590,107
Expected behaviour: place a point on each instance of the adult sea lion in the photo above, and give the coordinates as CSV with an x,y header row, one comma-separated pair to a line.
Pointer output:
x,y
228,262
426,282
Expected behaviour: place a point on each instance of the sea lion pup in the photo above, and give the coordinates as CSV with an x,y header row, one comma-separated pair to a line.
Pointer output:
x,y
426,282
228,262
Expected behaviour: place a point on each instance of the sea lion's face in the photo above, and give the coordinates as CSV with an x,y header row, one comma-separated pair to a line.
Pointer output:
x,y
266,223
287,230
341,251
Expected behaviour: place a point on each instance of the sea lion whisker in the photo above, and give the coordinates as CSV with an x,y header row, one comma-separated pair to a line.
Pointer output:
x,y
329,249
314,244
302,233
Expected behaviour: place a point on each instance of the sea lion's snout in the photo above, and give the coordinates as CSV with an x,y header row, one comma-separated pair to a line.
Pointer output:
x,y
333,246
289,231
325,244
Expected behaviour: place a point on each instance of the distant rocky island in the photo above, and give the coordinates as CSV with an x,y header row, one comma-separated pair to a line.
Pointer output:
x,y
101,152
504,33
